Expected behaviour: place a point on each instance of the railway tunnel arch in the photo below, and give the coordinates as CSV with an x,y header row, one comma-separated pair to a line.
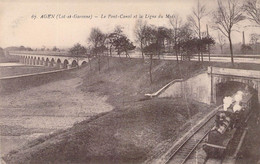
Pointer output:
x,y
228,88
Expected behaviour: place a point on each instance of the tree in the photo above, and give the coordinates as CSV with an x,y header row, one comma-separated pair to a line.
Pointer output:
x,y
246,49
55,48
97,41
205,43
252,9
140,34
198,14
1,51
154,43
221,41
43,48
254,37
123,44
120,42
189,46
77,50
185,34
226,17
151,49
162,34
176,23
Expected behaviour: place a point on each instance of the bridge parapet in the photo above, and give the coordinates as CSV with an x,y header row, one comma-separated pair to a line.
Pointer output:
x,y
234,72
50,60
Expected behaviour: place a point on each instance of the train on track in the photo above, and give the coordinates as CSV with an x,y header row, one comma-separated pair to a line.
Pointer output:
x,y
231,118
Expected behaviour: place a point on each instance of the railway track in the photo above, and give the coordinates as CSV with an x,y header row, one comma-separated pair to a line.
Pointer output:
x,y
182,150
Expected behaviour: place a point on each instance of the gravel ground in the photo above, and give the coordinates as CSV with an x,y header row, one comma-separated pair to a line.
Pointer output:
x,y
41,110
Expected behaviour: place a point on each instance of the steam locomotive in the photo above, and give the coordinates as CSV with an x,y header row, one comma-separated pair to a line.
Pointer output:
x,y
228,120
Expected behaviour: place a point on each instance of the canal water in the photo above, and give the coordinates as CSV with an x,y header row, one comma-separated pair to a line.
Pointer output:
x,y
10,64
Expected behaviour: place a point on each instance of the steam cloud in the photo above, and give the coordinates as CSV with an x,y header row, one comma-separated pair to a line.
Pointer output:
x,y
228,101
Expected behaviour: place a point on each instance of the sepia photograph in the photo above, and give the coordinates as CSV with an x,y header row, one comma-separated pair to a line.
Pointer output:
x,y
130,82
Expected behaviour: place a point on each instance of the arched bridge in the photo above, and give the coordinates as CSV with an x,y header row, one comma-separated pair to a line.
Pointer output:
x,y
219,76
62,62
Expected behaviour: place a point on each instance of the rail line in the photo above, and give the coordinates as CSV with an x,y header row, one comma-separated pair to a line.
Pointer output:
x,y
182,150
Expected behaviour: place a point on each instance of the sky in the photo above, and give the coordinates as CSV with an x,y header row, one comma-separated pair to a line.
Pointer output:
x,y
21,22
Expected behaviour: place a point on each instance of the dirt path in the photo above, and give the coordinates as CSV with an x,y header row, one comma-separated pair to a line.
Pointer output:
x,y
40,110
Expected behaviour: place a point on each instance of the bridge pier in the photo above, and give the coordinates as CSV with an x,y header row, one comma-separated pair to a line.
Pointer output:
x,y
27,61
21,60
49,64
58,65
41,62
33,62
37,62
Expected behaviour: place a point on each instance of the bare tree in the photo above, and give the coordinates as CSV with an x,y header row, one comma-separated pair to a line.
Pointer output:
x,y
252,9
198,14
97,40
254,37
226,17
221,41
139,31
176,23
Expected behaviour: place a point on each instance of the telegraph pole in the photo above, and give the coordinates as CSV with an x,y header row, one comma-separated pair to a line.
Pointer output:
x,y
208,44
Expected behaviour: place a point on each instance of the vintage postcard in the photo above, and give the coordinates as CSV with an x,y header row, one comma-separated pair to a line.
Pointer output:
x,y
142,81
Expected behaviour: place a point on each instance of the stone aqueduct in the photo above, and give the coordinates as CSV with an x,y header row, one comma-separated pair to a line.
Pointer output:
x,y
62,62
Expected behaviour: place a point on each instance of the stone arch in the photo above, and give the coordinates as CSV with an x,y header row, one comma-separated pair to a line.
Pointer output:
x,y
74,63
31,60
52,62
26,60
58,64
34,61
83,64
47,61
65,63
38,61
21,59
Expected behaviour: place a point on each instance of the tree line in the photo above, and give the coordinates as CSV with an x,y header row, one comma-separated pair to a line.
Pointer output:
x,y
184,38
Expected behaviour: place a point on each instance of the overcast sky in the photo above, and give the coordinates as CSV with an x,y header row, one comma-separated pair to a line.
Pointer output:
x,y
19,28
